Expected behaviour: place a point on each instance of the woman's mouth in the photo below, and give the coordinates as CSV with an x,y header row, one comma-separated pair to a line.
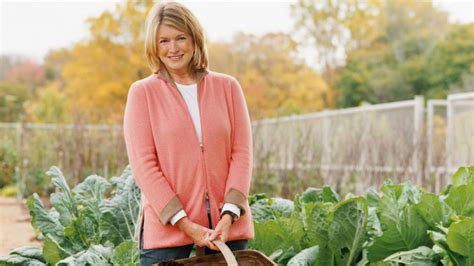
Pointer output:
x,y
175,57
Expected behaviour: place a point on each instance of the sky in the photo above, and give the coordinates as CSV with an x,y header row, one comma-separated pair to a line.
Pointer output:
x,y
31,28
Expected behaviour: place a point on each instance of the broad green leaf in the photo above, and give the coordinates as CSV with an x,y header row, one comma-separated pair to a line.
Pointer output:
x,y
329,195
120,211
325,257
306,257
419,256
463,176
41,220
282,256
287,254
60,182
395,198
460,239
267,239
373,198
63,200
374,228
112,228
348,229
256,197
291,231
461,200
406,233
364,260
312,194
403,228
439,238
52,251
276,254
81,232
93,186
29,252
90,194
316,223
60,204
95,255
267,209
126,253
281,233
71,227
433,210
19,260
325,194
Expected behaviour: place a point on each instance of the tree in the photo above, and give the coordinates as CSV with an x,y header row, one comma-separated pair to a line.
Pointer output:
x,y
101,70
275,81
452,62
54,63
12,98
19,79
395,65
334,27
27,73
49,105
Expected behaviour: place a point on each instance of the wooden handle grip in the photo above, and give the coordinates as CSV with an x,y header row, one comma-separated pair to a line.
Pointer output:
x,y
228,255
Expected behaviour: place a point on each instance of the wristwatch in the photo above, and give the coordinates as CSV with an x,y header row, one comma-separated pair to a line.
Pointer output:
x,y
233,215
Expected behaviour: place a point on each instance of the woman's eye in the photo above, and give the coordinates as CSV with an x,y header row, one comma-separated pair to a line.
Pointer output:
x,y
163,41
182,38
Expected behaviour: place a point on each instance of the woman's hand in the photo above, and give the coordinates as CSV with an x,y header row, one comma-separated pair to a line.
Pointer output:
x,y
221,231
198,233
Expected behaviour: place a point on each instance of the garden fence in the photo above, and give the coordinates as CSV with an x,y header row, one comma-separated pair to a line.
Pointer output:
x,y
349,149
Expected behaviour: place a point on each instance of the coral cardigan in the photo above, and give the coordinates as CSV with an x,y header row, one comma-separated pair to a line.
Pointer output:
x,y
173,170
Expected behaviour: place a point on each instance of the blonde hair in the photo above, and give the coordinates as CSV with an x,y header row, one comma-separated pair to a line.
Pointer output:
x,y
174,15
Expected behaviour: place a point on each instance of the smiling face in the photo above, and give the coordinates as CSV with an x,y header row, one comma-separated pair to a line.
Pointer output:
x,y
175,49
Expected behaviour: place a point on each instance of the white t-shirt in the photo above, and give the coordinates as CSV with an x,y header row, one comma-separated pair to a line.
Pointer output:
x,y
190,96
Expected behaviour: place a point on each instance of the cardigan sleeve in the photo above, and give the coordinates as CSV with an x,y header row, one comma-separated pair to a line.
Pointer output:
x,y
143,157
240,171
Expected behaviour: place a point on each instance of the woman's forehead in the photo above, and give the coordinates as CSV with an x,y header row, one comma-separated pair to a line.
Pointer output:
x,y
165,31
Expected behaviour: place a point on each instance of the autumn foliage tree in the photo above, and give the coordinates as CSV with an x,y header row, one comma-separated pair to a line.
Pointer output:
x,y
101,70
276,82
367,51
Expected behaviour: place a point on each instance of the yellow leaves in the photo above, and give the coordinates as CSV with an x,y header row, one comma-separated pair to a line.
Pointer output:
x,y
100,71
97,73
49,106
99,76
105,26
274,81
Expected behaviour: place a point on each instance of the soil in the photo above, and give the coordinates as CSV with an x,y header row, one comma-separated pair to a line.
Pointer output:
x,y
15,226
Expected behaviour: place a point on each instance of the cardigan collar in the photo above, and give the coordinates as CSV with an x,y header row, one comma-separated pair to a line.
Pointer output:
x,y
165,75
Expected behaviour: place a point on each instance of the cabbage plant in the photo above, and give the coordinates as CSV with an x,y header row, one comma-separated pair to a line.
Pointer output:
x,y
400,225
95,224
92,224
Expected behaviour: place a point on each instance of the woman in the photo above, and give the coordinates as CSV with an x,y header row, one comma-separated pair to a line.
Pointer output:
x,y
188,137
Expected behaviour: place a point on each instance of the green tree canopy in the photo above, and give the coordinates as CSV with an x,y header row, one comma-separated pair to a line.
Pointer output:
x,y
395,66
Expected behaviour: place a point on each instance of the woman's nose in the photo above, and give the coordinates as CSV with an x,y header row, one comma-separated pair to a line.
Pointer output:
x,y
173,47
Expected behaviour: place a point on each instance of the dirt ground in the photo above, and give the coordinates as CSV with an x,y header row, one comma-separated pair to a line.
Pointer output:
x,y
15,227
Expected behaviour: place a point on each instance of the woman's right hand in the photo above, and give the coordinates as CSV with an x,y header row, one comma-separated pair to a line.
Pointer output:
x,y
198,233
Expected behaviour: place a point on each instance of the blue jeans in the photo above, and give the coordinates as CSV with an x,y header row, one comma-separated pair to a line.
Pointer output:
x,y
152,256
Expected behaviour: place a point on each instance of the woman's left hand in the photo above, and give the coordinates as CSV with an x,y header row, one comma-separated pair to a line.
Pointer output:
x,y
221,231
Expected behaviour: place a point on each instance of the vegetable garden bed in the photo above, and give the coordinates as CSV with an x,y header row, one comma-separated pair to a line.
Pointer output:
x,y
94,223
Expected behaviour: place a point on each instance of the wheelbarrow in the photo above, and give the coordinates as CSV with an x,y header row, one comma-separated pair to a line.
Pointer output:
x,y
226,257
